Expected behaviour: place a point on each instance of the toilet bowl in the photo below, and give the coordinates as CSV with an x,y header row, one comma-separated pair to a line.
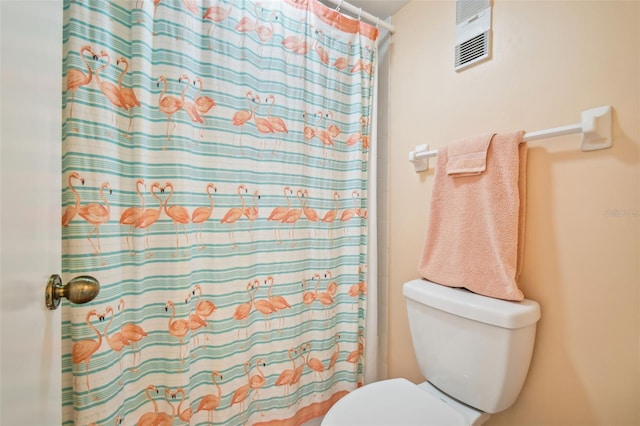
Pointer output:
x,y
473,350
399,402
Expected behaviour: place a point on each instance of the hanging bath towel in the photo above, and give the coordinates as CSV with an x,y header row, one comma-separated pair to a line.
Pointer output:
x,y
475,233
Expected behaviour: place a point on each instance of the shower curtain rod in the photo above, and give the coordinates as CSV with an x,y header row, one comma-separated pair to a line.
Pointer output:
x,y
362,14
595,128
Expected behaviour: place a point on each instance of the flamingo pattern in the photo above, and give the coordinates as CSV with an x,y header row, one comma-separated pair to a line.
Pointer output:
x,y
128,95
134,333
211,401
188,106
235,213
263,125
186,413
207,212
286,376
203,103
77,78
117,341
82,351
278,214
150,416
279,303
150,216
168,104
108,89
278,124
243,310
131,215
201,214
241,117
71,211
293,215
265,307
178,328
178,214
216,14
241,393
96,214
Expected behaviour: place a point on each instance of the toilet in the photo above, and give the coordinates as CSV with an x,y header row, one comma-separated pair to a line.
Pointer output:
x,y
474,352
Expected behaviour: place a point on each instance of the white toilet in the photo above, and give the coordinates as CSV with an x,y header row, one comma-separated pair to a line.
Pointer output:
x,y
473,350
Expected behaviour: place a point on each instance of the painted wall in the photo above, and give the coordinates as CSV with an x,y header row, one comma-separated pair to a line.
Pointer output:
x,y
30,232
551,60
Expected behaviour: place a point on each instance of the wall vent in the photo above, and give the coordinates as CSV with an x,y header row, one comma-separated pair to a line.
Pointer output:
x,y
473,32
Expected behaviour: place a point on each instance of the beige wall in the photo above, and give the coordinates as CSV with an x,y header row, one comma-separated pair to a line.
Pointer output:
x,y
551,60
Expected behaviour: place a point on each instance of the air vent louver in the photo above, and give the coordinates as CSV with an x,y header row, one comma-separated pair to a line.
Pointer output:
x,y
466,9
472,50
473,32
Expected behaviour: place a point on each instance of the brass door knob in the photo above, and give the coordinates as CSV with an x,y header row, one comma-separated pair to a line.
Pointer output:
x,y
81,289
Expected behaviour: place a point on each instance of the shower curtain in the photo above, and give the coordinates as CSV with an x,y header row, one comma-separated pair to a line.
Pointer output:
x,y
215,181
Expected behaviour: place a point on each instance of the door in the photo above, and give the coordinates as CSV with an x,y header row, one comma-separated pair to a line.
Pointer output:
x,y
30,190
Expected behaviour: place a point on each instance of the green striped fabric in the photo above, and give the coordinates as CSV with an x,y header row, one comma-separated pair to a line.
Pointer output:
x,y
214,159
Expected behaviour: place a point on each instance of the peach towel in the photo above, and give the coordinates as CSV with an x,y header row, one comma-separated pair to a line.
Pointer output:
x,y
475,233
468,157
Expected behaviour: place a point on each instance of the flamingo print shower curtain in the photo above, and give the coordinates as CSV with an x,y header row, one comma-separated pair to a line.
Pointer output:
x,y
215,183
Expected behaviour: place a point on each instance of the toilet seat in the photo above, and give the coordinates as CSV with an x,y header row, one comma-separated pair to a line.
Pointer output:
x,y
392,402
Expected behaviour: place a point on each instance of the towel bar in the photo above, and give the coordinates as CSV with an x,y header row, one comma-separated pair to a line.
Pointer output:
x,y
595,126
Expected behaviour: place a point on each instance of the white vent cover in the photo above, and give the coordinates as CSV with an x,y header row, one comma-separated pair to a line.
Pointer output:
x,y
473,32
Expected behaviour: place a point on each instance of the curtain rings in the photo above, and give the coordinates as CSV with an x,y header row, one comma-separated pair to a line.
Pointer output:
x,y
360,15
339,5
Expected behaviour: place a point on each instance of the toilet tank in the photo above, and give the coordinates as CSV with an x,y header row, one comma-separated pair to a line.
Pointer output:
x,y
474,348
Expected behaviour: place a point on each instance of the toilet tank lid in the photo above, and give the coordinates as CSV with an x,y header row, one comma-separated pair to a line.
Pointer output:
x,y
464,303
